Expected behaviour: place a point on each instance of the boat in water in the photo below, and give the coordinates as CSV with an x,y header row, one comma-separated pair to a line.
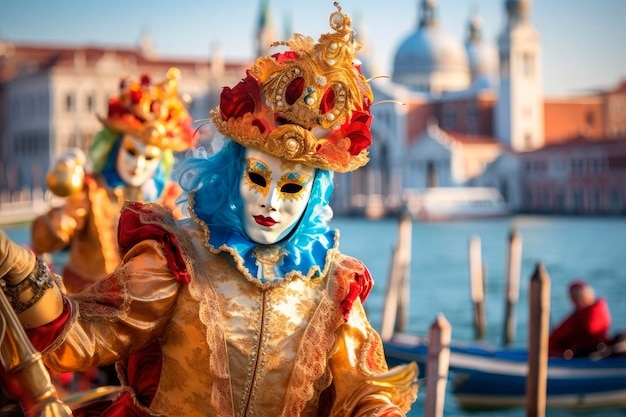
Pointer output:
x,y
486,377
451,203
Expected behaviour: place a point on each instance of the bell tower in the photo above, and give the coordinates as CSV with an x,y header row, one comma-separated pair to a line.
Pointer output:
x,y
519,110
265,31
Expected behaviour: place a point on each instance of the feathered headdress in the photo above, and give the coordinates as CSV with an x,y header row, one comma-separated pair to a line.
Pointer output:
x,y
153,113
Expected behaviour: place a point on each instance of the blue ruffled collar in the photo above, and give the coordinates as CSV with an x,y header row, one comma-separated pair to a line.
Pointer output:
x,y
285,260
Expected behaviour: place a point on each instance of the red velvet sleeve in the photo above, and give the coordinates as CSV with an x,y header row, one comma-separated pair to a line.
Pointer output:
x,y
132,230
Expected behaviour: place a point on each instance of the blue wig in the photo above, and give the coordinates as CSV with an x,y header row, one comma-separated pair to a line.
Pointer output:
x,y
214,181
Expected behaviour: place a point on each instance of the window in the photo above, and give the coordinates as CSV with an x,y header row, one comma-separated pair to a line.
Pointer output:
x,y
14,108
528,140
577,166
472,117
540,167
545,198
594,165
449,117
578,200
559,166
528,167
560,200
29,105
504,190
69,102
589,119
595,202
616,163
43,103
614,200
528,65
89,103
527,198
431,173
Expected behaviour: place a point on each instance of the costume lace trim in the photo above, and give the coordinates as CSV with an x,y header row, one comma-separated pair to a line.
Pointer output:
x,y
311,374
203,291
108,298
313,272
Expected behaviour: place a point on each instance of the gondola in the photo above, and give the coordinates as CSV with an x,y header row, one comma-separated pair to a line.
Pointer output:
x,y
488,377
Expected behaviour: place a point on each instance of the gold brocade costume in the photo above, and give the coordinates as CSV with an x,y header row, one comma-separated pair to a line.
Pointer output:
x,y
261,315
87,226
229,344
145,121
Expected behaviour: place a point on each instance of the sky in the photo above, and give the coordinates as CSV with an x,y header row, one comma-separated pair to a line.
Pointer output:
x,y
582,40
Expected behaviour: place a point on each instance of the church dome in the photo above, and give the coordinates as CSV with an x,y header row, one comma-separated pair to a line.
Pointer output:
x,y
430,49
431,59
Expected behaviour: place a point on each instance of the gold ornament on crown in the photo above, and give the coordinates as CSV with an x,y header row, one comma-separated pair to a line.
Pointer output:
x,y
308,105
153,113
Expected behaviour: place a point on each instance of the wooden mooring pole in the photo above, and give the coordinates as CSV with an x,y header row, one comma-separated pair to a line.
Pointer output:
x,y
539,312
404,264
437,365
512,286
477,287
395,311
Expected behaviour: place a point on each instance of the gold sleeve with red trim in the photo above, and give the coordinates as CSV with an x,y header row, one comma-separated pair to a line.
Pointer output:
x,y
362,383
119,314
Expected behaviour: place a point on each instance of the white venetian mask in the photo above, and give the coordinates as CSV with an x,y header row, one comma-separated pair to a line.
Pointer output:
x,y
136,161
275,194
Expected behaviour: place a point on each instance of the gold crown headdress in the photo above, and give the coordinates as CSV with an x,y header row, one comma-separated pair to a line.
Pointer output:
x,y
153,113
309,105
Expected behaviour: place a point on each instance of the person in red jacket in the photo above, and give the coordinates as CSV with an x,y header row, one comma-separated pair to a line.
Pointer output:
x,y
585,328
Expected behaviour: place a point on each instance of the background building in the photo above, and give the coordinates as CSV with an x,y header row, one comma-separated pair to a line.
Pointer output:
x,y
52,95
454,113
473,114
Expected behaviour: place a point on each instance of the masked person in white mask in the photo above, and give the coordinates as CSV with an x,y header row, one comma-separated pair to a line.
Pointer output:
x,y
247,307
131,159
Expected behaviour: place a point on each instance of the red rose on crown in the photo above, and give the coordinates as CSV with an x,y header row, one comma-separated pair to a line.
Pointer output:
x,y
245,98
357,129
359,132
241,99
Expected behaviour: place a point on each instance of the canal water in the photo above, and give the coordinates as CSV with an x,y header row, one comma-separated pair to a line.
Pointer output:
x,y
593,249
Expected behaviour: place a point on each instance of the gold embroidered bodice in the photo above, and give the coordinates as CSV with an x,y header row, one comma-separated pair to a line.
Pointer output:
x,y
230,345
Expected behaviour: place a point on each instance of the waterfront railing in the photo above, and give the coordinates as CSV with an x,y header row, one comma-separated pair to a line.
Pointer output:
x,y
24,205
